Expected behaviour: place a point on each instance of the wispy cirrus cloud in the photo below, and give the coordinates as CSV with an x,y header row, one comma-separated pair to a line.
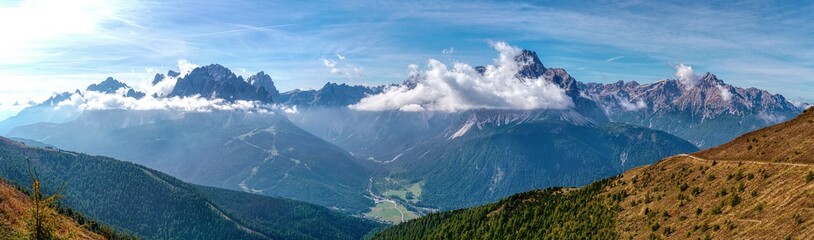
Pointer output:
x,y
614,58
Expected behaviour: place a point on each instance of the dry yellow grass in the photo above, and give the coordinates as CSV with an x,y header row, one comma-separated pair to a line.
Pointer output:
x,y
754,201
759,186
791,141
14,208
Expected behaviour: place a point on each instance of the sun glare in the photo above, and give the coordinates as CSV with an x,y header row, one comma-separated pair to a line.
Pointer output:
x,y
33,23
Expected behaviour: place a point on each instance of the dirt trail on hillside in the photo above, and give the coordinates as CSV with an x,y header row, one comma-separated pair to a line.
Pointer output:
x,y
750,162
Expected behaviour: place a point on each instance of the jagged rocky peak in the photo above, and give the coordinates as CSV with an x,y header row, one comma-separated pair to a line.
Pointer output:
x,y
134,94
158,77
112,86
261,79
58,97
330,86
532,67
333,94
215,81
330,95
411,82
620,84
560,77
623,84
109,85
337,87
710,79
711,90
214,72
415,77
172,73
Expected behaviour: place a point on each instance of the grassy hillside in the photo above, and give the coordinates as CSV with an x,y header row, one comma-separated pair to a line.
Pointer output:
x,y
791,141
691,197
734,191
15,207
154,205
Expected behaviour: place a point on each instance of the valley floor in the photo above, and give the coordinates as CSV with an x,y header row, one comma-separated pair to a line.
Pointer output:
x,y
391,205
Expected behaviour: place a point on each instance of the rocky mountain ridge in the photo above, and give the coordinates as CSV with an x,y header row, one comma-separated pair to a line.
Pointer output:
x,y
692,112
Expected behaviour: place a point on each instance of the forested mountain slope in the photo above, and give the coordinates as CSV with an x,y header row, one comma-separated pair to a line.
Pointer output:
x,y
262,153
154,205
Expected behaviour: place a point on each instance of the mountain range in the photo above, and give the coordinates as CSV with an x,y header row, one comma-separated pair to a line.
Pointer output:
x,y
707,114
308,145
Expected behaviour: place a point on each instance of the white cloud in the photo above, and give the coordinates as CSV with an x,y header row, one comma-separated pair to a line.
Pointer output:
x,y
462,88
725,93
415,71
90,100
341,67
331,65
164,87
186,67
359,71
770,118
630,106
288,110
10,107
448,51
687,76
801,103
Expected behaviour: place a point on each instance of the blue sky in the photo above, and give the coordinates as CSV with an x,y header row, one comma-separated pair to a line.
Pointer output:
x,y
50,46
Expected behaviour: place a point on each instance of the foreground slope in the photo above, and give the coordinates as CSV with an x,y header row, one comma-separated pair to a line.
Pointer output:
x,y
788,142
14,210
154,205
730,192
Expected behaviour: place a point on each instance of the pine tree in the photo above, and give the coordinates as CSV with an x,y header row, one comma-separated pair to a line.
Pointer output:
x,y
41,223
